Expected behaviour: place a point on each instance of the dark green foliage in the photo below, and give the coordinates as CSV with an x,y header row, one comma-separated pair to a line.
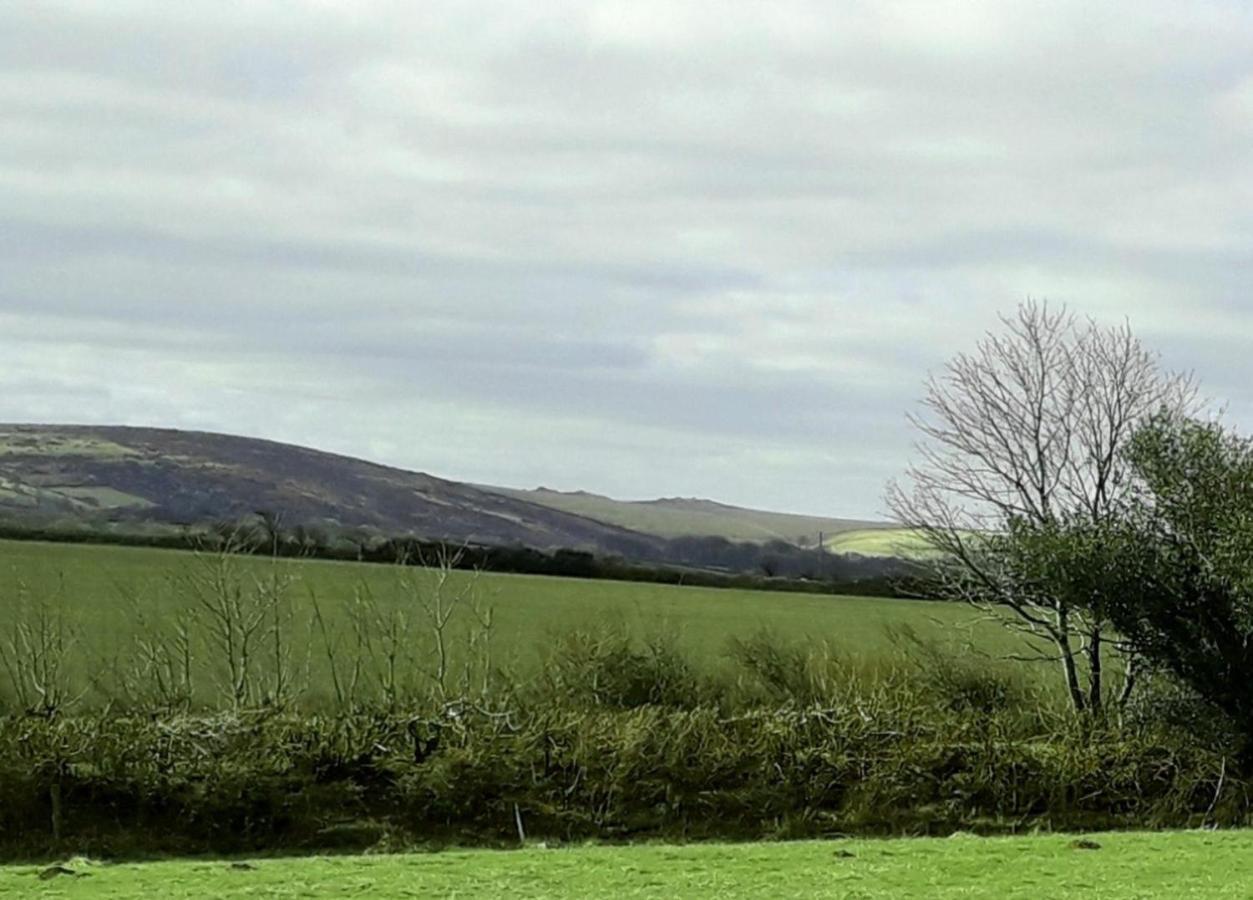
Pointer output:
x,y
782,670
608,668
960,683
1195,524
625,759
1173,571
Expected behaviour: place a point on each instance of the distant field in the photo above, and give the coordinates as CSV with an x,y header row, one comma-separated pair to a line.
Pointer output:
x,y
689,518
20,441
900,542
103,497
98,584
1170,866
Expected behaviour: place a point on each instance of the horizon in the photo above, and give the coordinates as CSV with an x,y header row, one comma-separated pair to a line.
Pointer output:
x,y
635,249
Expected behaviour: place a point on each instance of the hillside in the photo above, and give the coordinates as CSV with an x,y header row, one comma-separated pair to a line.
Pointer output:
x,y
149,479
148,476
691,517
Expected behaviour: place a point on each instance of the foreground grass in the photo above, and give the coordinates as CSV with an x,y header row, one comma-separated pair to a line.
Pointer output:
x,y
1166,865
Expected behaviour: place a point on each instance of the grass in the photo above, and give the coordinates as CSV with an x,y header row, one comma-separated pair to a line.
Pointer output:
x,y
1169,865
22,441
902,542
93,582
102,497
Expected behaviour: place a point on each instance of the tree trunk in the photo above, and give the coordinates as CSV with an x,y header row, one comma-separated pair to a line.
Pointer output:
x,y
1067,654
1128,681
1095,688
54,796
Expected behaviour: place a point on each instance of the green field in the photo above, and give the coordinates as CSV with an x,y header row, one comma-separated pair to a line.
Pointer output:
x,y
900,542
21,441
101,586
103,497
1171,866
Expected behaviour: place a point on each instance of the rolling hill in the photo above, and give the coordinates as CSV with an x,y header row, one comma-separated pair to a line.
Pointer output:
x,y
164,477
692,517
127,478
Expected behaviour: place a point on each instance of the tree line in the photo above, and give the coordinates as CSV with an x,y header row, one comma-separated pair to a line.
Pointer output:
x,y
696,561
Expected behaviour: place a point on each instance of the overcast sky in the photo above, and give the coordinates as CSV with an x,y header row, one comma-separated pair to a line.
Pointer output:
x,y
638,248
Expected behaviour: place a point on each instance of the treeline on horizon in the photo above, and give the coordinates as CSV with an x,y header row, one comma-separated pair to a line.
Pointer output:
x,y
693,561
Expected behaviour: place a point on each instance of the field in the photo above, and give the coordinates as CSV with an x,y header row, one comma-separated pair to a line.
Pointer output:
x,y
901,542
313,705
101,587
1194,864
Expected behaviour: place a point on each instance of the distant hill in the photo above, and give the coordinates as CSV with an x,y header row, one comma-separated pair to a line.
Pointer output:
x,y
145,479
691,517
160,476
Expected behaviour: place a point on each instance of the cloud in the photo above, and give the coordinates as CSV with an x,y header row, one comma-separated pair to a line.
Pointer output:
x,y
643,248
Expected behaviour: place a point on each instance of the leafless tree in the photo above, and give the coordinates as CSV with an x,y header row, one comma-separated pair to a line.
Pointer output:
x,y
36,654
442,594
1030,427
247,617
430,639
155,672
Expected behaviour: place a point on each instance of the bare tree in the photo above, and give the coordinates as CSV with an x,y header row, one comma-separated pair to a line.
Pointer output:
x,y
1030,428
36,654
441,594
247,617
430,639
156,671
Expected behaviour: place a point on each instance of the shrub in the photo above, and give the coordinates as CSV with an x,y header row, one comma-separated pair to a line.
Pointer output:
x,y
606,667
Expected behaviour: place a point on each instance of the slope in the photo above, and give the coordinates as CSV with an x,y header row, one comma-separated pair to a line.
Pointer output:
x,y
168,477
691,517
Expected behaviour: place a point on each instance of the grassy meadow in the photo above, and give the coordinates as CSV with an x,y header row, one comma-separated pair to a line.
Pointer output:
x,y
108,593
900,542
610,711
1171,866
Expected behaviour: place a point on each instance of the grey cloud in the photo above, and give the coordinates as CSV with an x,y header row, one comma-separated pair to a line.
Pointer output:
x,y
654,248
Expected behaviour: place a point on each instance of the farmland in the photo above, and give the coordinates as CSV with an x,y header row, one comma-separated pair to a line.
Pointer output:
x,y
898,542
1179,865
103,588
162,702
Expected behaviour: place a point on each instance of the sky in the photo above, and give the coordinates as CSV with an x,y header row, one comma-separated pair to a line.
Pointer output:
x,y
639,248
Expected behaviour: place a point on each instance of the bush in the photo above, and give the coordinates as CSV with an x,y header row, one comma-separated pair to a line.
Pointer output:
x,y
607,668
780,670
957,682
618,740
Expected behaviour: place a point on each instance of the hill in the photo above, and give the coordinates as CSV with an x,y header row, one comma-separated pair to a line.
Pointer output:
x,y
691,517
150,476
144,480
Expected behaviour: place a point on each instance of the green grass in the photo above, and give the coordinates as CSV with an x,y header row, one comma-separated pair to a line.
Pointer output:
x,y
1171,866
102,497
901,542
93,582
12,496
21,442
